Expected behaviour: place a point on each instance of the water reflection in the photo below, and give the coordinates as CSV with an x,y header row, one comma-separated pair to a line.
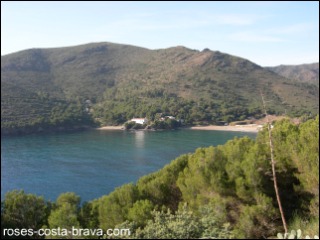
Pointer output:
x,y
139,139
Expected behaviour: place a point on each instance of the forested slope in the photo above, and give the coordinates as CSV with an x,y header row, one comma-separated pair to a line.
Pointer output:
x,y
111,83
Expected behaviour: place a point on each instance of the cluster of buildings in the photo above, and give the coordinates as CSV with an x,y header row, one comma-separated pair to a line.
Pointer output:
x,y
145,120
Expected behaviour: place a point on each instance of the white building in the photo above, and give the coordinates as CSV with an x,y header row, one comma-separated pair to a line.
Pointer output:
x,y
139,120
170,117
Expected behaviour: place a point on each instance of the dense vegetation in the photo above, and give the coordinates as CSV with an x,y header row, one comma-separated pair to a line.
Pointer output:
x,y
108,83
217,192
36,114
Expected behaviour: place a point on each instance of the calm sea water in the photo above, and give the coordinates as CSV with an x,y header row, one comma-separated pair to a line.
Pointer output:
x,y
93,163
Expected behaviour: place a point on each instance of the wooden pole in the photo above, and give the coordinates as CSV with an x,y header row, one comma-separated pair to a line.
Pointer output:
x,y
274,168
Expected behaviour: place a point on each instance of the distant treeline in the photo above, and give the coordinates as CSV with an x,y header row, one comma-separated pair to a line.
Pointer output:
x,y
53,115
217,192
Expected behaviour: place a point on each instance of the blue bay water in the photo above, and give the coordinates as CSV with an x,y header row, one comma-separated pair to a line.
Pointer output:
x,y
94,163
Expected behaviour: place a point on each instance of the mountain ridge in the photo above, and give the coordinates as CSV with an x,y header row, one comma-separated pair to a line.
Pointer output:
x,y
123,81
308,73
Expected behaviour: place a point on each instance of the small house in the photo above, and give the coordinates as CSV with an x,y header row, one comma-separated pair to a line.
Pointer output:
x,y
139,120
170,117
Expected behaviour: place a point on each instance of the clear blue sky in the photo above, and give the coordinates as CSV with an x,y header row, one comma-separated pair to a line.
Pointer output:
x,y
267,33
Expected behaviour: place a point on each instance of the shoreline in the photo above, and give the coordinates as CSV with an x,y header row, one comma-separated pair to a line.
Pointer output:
x,y
111,128
237,128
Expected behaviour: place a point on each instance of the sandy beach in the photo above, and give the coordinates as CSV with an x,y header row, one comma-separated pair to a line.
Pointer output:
x,y
111,128
236,128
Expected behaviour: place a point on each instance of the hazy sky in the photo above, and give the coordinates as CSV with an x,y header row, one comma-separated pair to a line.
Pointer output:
x,y
267,33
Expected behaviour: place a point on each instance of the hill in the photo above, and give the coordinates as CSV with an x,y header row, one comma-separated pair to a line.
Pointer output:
x,y
72,86
306,73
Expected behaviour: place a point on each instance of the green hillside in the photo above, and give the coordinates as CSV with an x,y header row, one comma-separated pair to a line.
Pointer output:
x,y
50,88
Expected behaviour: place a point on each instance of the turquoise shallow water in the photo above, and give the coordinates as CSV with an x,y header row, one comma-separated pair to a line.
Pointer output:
x,y
93,163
